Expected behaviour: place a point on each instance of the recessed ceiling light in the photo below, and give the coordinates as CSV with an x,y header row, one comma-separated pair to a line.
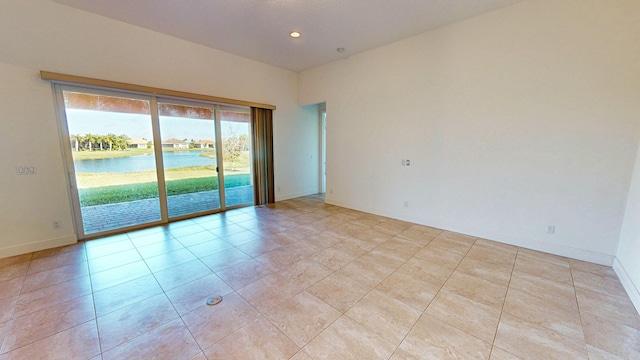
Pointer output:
x,y
340,50
295,34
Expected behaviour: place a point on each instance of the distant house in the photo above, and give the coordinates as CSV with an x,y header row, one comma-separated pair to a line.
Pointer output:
x,y
175,143
204,144
138,143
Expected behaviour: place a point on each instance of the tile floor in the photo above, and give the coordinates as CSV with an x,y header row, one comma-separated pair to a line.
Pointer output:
x,y
305,280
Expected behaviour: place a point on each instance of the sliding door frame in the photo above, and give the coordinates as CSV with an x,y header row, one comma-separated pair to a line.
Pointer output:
x,y
153,99
67,155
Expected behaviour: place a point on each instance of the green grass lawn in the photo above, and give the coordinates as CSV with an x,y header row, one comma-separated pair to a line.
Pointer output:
x,y
131,192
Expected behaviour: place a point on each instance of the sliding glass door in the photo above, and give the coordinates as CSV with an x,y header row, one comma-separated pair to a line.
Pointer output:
x,y
112,162
136,160
189,158
236,152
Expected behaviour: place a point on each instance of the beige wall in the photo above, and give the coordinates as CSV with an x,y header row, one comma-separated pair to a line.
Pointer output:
x,y
41,35
514,120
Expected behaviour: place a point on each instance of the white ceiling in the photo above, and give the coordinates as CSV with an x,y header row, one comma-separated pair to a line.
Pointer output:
x,y
259,29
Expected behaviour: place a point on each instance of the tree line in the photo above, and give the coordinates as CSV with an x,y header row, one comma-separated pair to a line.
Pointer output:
x,y
91,142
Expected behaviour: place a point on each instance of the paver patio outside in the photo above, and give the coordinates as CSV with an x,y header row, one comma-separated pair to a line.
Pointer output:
x,y
101,218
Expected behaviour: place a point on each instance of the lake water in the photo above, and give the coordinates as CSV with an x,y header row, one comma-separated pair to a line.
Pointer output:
x,y
171,159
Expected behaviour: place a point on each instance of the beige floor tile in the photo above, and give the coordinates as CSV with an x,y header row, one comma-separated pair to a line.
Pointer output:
x,y
257,340
199,356
612,337
3,328
11,288
169,260
280,259
454,245
80,342
390,318
392,227
373,236
200,237
476,289
260,247
7,306
399,248
303,317
563,320
305,273
230,315
211,246
119,275
225,258
179,275
546,289
192,295
243,274
496,246
529,341
597,354
540,256
51,295
400,354
171,340
43,323
18,259
499,354
159,248
368,271
79,247
346,339
367,279
419,236
616,308
439,257
54,276
355,246
125,324
123,295
334,257
409,290
428,272
495,273
14,271
543,269
142,239
431,338
481,251
600,270
301,355
268,292
113,261
597,283
107,246
339,291
457,236
467,315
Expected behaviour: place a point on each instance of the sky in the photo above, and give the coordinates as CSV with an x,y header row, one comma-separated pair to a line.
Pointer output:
x,y
81,122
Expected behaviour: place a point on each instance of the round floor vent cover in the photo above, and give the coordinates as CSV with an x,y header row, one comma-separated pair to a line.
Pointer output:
x,y
214,300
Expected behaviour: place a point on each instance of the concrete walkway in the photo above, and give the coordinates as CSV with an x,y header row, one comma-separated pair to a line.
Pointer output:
x,y
113,216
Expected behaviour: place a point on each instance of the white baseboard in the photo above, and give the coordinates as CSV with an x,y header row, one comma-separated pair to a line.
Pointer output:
x,y
37,246
627,283
283,197
551,248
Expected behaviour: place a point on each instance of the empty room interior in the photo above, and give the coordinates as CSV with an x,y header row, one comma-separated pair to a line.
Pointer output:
x,y
399,179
